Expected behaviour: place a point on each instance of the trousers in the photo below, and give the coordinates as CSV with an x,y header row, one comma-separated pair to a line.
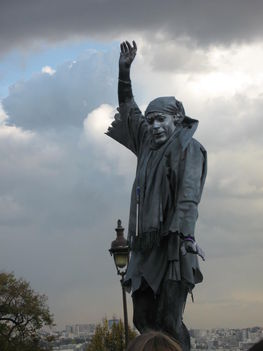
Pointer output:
x,y
162,311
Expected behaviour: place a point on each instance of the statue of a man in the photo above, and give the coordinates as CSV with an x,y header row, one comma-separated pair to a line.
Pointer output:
x,y
171,171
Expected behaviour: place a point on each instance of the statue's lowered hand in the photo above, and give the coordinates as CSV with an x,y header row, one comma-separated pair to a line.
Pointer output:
x,y
190,247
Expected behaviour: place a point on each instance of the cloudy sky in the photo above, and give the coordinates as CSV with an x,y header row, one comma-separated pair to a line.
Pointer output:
x,y
64,184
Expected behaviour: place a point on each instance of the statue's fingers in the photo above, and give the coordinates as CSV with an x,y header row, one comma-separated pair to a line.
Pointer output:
x,y
125,47
122,48
134,45
129,46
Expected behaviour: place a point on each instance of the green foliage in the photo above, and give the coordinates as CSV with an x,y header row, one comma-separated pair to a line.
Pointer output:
x,y
106,339
23,313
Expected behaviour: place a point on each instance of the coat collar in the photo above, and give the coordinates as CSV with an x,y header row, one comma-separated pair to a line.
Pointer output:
x,y
189,127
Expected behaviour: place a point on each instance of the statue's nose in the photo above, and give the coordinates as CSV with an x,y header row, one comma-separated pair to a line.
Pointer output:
x,y
156,125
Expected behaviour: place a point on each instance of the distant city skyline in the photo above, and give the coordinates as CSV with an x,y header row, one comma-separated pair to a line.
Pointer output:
x,y
64,184
217,339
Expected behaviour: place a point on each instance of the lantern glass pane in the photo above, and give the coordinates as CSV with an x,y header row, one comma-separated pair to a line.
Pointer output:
x,y
121,260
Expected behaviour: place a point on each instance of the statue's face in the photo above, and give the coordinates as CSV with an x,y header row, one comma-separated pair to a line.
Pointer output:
x,y
161,127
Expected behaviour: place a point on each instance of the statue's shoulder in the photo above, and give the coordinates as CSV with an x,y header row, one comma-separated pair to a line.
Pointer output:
x,y
196,144
129,107
197,149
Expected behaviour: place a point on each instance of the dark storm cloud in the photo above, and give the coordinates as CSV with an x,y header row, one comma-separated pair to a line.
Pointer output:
x,y
66,97
237,121
23,23
175,56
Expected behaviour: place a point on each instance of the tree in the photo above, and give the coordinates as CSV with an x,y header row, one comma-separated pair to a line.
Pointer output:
x,y
23,313
109,339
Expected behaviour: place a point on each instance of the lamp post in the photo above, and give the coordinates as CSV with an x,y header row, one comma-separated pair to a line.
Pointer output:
x,y
120,251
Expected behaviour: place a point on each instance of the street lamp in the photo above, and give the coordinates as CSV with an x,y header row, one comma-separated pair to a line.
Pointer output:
x,y
120,251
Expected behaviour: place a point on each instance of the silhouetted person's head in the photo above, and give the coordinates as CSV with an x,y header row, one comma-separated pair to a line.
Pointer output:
x,y
154,341
257,347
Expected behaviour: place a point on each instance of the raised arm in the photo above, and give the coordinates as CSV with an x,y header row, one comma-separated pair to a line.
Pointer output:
x,y
127,55
129,126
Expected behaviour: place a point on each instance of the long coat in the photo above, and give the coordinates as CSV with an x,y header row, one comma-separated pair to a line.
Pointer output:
x,y
170,180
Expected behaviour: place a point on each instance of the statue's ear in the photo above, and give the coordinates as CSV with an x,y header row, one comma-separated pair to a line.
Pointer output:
x,y
176,119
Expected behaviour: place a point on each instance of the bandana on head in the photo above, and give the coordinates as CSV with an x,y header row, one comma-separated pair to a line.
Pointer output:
x,y
166,104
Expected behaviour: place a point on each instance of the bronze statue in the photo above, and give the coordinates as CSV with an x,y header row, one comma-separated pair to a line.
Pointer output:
x,y
170,175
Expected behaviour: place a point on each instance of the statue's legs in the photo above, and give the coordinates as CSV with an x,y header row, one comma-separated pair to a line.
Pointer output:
x,y
144,308
170,311
162,312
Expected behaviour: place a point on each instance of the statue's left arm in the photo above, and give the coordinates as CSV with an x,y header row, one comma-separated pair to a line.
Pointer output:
x,y
192,174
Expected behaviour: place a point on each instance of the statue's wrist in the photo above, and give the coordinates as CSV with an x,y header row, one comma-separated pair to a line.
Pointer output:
x,y
188,238
126,82
124,75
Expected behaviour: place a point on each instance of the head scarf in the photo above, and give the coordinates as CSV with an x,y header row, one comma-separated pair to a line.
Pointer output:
x,y
168,105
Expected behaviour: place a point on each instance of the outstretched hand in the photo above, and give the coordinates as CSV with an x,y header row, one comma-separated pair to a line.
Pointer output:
x,y
127,54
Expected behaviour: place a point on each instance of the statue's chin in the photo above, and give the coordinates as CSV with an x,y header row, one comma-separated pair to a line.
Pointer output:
x,y
160,139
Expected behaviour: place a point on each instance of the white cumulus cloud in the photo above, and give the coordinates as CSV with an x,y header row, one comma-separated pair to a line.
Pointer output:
x,y
98,121
48,70
108,153
3,115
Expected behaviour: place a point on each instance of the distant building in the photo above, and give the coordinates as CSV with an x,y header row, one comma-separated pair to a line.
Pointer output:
x,y
80,329
71,347
225,339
